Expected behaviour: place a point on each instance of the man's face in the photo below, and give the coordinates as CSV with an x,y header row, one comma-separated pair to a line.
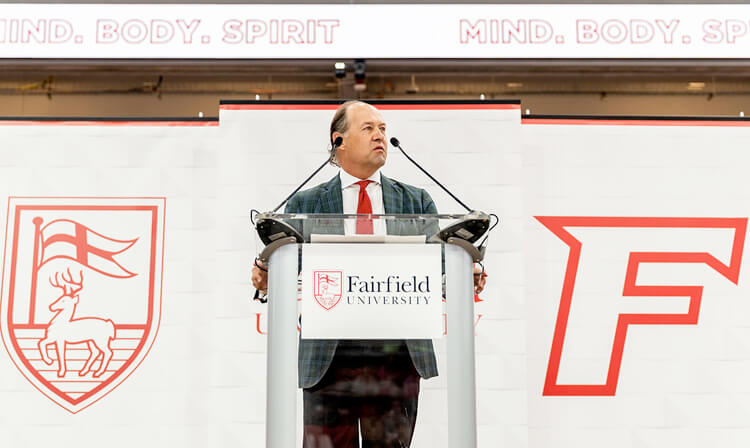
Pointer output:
x,y
364,148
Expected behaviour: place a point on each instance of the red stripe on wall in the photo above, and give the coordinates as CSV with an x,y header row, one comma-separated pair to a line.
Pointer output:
x,y
379,106
588,122
106,123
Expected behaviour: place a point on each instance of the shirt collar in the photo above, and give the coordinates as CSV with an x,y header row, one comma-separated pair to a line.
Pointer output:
x,y
347,180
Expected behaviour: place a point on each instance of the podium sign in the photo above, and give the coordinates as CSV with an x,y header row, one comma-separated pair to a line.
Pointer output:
x,y
371,291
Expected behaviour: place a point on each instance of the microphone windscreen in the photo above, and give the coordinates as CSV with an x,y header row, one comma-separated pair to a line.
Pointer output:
x,y
394,141
338,142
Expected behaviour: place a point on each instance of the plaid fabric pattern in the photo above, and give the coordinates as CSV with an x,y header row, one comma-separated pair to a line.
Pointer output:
x,y
315,355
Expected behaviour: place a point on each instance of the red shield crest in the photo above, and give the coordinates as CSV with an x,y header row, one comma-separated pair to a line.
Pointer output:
x,y
81,292
327,288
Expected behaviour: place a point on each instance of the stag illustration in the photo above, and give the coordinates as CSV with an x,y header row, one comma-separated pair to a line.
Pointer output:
x,y
64,329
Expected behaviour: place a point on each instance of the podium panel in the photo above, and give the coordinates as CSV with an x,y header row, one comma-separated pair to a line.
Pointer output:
x,y
371,291
369,388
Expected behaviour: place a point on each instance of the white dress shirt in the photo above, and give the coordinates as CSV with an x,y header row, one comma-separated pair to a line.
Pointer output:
x,y
350,197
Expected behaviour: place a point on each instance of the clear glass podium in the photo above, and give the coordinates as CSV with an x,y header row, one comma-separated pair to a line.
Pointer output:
x,y
287,237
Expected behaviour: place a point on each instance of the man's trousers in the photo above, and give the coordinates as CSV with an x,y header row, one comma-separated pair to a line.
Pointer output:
x,y
371,386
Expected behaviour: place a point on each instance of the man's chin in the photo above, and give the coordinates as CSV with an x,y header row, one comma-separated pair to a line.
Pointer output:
x,y
379,160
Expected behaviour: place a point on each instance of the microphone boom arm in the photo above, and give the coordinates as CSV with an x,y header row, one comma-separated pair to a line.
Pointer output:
x,y
302,185
334,146
396,143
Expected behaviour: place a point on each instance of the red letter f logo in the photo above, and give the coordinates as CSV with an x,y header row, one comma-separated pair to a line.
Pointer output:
x,y
676,242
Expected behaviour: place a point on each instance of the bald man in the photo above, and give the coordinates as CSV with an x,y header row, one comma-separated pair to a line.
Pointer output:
x,y
355,385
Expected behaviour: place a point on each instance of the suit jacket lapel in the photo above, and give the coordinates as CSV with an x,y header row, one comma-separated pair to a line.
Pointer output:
x,y
330,200
393,196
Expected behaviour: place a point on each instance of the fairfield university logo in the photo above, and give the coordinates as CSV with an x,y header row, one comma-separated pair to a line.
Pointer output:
x,y
634,262
81,292
328,288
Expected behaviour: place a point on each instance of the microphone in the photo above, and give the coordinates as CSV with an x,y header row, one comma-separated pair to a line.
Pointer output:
x,y
336,144
397,144
470,228
271,229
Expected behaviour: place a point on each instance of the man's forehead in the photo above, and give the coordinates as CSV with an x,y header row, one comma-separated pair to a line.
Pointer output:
x,y
365,113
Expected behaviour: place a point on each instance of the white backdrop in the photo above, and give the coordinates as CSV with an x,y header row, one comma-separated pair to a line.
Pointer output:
x,y
666,201
166,400
472,149
679,384
203,381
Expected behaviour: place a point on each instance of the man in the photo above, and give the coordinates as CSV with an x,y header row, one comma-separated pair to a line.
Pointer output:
x,y
348,385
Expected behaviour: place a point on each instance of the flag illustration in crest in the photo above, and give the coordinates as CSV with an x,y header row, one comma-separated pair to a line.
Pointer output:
x,y
66,238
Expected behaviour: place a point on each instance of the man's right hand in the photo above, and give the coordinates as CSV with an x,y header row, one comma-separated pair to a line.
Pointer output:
x,y
260,276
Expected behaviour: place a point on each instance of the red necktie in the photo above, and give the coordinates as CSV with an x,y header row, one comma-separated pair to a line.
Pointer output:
x,y
364,206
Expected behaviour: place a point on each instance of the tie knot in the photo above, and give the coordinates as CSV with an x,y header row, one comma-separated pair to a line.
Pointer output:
x,y
363,184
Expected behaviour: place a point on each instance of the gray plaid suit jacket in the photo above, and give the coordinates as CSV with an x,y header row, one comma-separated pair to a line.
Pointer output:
x,y
315,355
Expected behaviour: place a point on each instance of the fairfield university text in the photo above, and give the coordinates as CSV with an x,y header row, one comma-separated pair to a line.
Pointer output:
x,y
403,292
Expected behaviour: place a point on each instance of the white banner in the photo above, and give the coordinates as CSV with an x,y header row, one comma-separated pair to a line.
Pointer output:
x,y
202,384
371,291
97,346
636,293
266,150
616,312
143,31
